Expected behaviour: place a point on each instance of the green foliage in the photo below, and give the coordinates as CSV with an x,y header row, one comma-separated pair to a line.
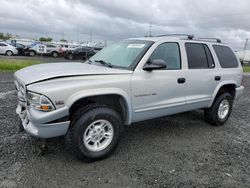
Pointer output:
x,y
5,36
44,39
246,68
63,40
14,65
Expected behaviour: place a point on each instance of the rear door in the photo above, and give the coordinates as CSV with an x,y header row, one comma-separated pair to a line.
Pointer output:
x,y
201,75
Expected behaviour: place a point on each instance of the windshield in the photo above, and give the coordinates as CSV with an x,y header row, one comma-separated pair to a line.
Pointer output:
x,y
122,54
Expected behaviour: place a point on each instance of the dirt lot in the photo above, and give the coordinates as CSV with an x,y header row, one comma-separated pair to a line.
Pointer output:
x,y
176,151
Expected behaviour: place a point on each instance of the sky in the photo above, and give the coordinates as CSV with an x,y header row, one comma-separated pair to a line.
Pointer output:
x,y
113,20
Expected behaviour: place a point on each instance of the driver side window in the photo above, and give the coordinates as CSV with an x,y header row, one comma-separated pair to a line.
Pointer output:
x,y
170,53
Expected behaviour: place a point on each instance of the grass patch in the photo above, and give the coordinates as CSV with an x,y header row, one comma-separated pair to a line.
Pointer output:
x,y
246,68
11,65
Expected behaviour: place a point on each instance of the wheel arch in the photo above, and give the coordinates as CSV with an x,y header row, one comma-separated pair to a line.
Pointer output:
x,y
9,50
229,86
117,99
32,51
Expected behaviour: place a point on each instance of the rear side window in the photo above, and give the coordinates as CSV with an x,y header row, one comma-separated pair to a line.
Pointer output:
x,y
50,46
199,56
226,56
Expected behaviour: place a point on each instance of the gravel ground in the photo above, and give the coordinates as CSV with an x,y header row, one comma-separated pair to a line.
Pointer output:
x,y
177,151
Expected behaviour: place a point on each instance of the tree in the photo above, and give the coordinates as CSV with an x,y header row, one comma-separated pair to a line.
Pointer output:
x,y
44,39
5,36
63,40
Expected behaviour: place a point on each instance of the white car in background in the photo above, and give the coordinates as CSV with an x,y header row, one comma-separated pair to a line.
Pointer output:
x,y
7,49
43,49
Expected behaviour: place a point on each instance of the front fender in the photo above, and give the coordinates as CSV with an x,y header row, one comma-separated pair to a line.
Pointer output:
x,y
103,91
221,84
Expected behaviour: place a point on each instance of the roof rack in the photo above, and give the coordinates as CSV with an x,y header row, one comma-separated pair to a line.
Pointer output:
x,y
187,35
211,39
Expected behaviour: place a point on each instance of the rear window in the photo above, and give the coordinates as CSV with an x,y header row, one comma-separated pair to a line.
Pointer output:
x,y
226,56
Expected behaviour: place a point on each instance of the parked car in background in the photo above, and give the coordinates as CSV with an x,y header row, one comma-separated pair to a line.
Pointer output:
x,y
7,49
43,49
79,53
25,42
19,47
97,49
66,47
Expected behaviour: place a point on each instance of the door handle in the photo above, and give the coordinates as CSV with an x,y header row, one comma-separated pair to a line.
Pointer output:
x,y
181,80
217,78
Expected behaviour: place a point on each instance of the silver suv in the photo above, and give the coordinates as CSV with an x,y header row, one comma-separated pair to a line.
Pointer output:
x,y
129,81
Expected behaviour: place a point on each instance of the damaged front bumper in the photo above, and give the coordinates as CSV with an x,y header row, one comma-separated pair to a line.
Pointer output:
x,y
44,124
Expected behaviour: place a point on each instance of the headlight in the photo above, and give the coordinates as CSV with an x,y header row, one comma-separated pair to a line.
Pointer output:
x,y
39,102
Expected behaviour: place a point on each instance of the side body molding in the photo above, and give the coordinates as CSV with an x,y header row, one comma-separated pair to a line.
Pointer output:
x,y
103,91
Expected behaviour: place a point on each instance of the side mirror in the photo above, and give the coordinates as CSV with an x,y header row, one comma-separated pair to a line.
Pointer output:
x,y
155,64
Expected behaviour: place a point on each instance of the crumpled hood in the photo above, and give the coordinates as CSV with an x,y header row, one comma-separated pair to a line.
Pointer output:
x,y
46,71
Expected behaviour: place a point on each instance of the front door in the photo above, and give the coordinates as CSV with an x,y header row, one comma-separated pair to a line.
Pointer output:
x,y
160,92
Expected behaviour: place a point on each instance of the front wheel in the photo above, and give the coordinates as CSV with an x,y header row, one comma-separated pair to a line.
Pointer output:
x,y
94,133
70,56
9,53
220,111
55,54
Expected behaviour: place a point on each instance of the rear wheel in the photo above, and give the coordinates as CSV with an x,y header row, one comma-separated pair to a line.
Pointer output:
x,y
94,133
220,111
9,53
32,53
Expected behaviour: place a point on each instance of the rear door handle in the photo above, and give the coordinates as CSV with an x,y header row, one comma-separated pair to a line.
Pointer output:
x,y
217,78
181,80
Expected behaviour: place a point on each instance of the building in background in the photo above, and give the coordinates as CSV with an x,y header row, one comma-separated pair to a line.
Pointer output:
x,y
244,56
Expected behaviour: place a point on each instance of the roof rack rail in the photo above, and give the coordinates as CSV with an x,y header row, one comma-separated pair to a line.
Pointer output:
x,y
216,39
187,35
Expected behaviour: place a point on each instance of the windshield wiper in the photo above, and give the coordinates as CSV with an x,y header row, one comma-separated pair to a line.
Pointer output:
x,y
88,61
104,63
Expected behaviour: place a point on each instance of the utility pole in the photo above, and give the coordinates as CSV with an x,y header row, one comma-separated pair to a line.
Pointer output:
x,y
150,29
78,33
245,50
63,35
90,36
245,47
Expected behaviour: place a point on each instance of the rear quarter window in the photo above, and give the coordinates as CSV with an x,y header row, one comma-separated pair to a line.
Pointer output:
x,y
225,56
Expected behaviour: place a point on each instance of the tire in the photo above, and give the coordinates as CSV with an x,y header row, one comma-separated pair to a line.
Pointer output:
x,y
9,53
213,115
82,139
32,53
70,57
55,54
